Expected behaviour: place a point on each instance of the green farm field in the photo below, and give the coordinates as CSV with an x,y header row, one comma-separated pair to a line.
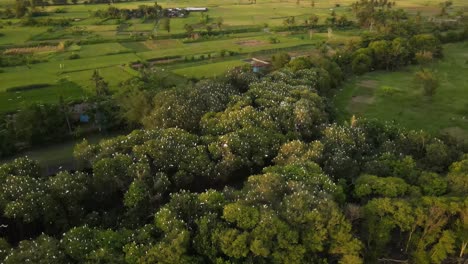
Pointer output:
x,y
13,100
241,12
117,56
208,70
396,97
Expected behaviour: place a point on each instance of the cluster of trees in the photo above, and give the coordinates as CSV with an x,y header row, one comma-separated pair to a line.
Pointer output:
x,y
47,22
204,28
444,6
34,124
381,16
105,1
39,124
15,60
143,11
334,21
30,7
377,13
44,123
383,53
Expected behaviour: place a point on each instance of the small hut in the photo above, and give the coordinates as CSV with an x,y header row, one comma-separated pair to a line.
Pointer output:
x,y
259,66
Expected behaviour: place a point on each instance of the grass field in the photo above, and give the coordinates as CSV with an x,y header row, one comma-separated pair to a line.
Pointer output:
x,y
396,97
12,101
209,70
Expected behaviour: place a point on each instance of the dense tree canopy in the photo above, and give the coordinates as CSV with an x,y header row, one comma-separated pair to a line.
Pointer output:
x,y
313,192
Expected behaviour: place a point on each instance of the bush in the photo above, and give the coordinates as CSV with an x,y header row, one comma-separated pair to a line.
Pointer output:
x,y
361,64
223,53
388,90
60,10
28,87
428,81
14,60
74,56
64,44
30,21
274,40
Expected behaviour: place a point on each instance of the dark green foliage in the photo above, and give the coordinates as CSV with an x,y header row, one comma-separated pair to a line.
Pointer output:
x,y
33,124
387,53
100,85
279,60
28,87
14,60
21,8
457,177
361,64
143,11
74,56
432,184
184,107
371,186
38,22
4,248
42,250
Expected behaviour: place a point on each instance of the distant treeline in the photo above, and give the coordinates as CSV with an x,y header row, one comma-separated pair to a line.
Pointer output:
x,y
143,11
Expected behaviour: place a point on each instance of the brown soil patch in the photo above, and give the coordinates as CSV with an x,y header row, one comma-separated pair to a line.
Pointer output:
x,y
165,61
250,43
361,99
29,50
423,9
456,132
156,62
368,83
165,43
359,104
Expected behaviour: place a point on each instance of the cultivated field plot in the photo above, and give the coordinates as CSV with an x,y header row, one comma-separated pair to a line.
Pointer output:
x,y
395,96
209,70
52,71
11,101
